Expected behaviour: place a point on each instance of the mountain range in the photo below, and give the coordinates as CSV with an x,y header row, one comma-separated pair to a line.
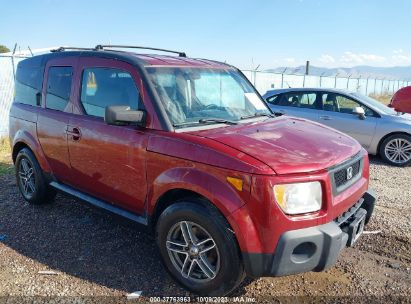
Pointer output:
x,y
363,71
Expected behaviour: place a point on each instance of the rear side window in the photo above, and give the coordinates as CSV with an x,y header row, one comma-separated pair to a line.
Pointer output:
x,y
58,87
102,87
300,100
29,79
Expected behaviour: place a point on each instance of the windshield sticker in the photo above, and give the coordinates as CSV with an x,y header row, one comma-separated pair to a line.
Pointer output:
x,y
256,101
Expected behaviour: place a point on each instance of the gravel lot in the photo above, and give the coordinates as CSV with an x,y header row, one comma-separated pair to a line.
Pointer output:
x,y
97,257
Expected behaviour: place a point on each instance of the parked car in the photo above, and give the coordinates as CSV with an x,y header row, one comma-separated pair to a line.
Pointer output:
x,y
379,129
187,148
401,100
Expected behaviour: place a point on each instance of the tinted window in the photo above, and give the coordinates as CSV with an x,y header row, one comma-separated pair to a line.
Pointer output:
x,y
103,87
299,99
340,103
273,99
29,78
25,94
58,87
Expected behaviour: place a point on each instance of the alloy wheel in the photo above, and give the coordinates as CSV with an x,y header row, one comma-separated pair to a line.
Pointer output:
x,y
193,251
398,150
27,178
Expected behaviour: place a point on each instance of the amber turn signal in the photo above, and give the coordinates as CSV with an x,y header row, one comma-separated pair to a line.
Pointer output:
x,y
235,182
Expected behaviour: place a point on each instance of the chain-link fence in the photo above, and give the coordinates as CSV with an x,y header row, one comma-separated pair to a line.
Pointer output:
x,y
8,65
264,81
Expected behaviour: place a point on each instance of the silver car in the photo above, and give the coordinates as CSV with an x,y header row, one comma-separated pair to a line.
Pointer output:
x,y
379,129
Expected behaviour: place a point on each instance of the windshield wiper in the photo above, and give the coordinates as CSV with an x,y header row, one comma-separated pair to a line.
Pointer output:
x,y
205,121
217,120
257,115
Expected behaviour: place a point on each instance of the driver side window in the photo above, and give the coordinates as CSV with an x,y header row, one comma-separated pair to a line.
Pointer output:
x,y
102,87
342,104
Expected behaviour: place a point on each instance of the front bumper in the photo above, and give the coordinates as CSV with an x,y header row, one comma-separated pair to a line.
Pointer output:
x,y
310,249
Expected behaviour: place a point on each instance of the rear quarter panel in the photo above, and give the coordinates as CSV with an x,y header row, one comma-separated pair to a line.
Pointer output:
x,y
23,129
387,125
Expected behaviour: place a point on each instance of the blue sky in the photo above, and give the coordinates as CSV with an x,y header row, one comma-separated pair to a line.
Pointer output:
x,y
244,33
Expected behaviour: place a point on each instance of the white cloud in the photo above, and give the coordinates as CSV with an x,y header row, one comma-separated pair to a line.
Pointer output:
x,y
289,60
399,57
326,59
350,58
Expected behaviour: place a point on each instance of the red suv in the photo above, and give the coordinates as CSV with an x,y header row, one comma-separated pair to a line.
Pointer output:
x,y
401,100
188,148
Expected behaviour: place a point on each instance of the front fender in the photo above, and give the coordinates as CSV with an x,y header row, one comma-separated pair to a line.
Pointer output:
x,y
210,185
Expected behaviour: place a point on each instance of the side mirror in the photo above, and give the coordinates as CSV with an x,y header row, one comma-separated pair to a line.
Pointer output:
x,y
121,115
359,111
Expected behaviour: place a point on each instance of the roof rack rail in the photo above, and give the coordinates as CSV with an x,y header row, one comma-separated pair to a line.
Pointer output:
x,y
65,48
101,47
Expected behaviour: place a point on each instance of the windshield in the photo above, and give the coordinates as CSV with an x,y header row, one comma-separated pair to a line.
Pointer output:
x,y
193,96
376,104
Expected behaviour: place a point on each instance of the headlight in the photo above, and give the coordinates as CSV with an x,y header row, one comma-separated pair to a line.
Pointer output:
x,y
299,197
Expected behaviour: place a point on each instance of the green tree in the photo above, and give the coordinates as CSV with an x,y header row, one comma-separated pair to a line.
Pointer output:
x,y
4,49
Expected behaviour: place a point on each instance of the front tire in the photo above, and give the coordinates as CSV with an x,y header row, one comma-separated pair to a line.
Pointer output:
x,y
396,150
199,249
30,179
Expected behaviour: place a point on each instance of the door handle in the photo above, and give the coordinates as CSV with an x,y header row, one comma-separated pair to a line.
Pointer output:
x,y
325,117
74,132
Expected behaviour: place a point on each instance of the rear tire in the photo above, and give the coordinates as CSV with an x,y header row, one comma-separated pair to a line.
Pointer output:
x,y
396,150
30,179
198,248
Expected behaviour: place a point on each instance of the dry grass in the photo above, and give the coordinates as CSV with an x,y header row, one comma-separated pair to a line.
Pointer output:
x,y
6,166
385,99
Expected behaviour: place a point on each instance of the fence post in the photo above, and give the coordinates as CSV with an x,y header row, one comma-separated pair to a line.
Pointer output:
x,y
321,78
282,78
366,86
12,61
375,86
335,81
348,80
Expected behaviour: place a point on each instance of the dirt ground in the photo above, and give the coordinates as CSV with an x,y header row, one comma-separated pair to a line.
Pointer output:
x,y
95,256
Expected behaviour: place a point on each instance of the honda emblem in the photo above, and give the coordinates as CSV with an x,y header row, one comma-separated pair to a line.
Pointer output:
x,y
349,173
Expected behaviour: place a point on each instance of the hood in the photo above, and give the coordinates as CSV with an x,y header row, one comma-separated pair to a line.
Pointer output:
x,y
288,145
